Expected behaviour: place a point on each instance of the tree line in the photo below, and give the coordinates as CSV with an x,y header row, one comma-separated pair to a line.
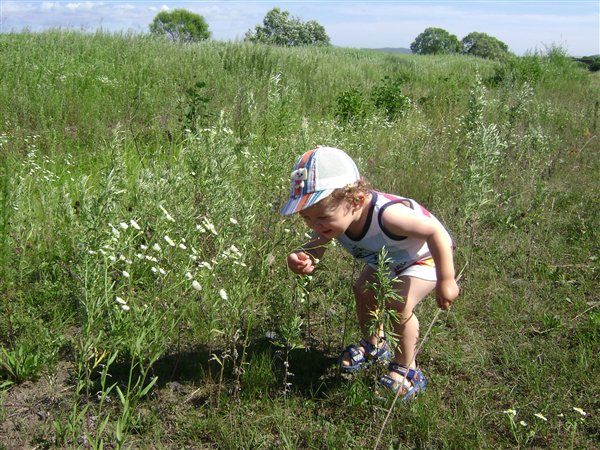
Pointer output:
x,y
280,28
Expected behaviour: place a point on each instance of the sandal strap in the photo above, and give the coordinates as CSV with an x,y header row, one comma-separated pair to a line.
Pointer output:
x,y
395,385
374,350
409,374
355,354
360,359
389,382
412,383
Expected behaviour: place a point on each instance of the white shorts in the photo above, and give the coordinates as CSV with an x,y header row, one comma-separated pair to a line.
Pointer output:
x,y
424,270
418,271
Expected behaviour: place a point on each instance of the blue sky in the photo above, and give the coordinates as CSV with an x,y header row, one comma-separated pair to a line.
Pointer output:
x,y
524,26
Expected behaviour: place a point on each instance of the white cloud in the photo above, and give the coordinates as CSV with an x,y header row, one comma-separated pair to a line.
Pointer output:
x,y
83,6
10,7
125,7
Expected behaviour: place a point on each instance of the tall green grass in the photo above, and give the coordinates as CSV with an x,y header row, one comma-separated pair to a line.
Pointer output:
x,y
143,254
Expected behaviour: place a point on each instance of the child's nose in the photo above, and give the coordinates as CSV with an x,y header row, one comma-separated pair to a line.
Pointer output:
x,y
318,226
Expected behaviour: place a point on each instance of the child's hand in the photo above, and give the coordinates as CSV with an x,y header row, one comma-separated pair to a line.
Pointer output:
x,y
300,263
446,291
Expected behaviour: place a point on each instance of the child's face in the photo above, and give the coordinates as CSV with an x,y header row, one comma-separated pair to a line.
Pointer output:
x,y
329,218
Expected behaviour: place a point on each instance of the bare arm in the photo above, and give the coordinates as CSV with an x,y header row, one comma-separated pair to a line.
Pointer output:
x,y
302,261
403,221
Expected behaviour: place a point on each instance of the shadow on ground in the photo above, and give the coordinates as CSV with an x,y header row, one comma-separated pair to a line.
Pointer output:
x,y
310,372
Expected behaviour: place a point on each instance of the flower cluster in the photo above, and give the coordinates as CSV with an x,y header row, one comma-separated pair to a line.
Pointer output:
x,y
153,260
512,414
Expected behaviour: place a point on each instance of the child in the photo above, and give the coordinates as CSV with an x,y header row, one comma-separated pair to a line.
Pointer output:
x,y
336,203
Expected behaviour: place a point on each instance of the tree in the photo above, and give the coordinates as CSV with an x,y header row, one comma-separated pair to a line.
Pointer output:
x,y
180,25
484,46
279,28
435,41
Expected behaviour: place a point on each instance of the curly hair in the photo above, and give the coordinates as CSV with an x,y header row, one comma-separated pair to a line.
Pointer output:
x,y
350,192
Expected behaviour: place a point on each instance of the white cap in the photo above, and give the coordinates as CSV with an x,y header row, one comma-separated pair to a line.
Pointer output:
x,y
317,173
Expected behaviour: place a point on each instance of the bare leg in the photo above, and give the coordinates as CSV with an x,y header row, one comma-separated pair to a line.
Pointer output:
x,y
412,290
365,303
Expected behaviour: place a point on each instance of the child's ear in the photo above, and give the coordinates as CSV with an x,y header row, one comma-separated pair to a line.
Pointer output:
x,y
359,200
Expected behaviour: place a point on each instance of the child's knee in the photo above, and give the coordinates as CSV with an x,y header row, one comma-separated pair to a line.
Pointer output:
x,y
403,319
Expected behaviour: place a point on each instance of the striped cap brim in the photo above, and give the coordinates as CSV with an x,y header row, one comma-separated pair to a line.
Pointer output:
x,y
293,205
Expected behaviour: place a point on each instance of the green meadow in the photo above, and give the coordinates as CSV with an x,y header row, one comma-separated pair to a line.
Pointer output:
x,y
144,296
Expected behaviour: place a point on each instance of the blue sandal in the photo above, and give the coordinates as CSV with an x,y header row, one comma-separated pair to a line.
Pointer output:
x,y
414,377
360,360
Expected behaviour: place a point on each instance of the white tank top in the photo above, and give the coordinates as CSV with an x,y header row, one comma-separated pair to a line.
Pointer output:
x,y
402,251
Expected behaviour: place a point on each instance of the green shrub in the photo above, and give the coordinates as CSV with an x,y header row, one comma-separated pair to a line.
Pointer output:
x,y
350,106
387,95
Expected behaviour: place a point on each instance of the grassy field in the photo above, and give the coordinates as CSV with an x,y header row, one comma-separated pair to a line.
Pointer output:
x,y
145,301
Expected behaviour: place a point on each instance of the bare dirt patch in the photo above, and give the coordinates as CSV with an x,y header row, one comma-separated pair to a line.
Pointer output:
x,y
27,410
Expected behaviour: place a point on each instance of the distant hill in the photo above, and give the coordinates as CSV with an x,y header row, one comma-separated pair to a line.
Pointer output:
x,y
393,50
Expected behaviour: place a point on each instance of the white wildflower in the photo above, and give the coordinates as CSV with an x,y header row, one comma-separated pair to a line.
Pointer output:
x,y
189,276
124,225
153,269
182,246
200,228
156,247
162,271
270,259
233,221
210,227
169,241
540,416
510,412
115,232
125,307
134,224
120,301
167,215
580,411
523,423
206,265
112,258
91,252
144,247
196,285
223,294
126,274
